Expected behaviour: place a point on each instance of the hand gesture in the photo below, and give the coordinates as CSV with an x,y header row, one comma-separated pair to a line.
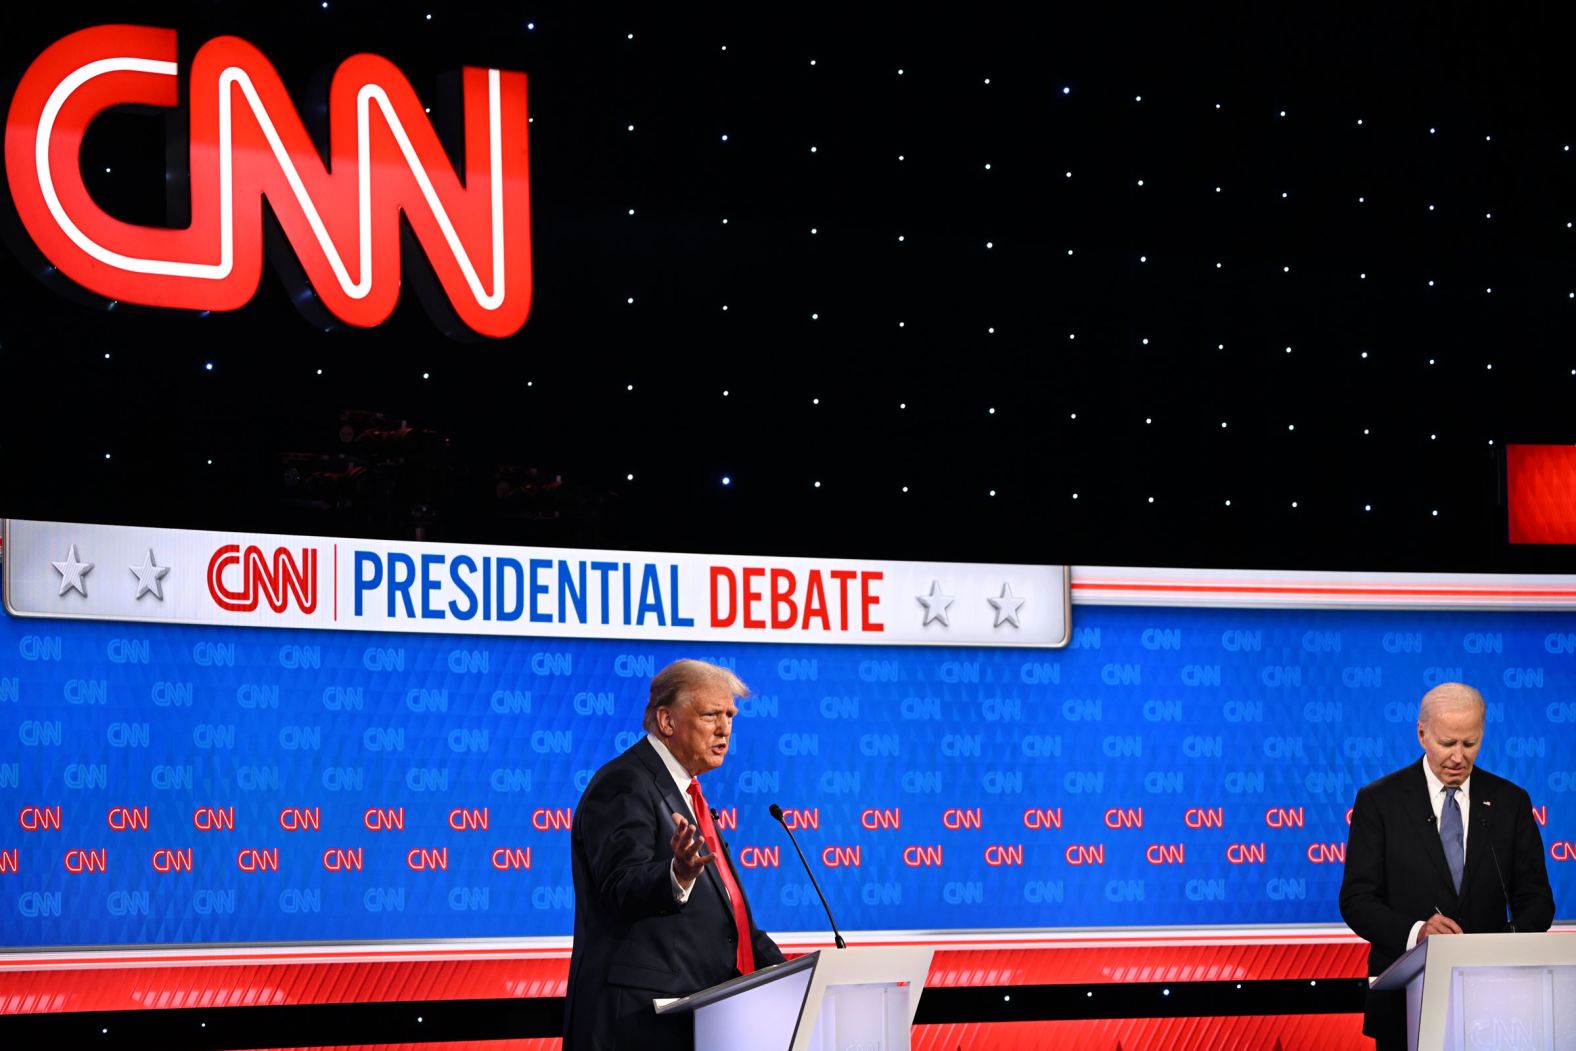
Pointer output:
x,y
689,850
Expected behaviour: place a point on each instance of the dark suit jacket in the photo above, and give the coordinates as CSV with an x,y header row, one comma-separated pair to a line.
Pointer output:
x,y
1396,873
633,942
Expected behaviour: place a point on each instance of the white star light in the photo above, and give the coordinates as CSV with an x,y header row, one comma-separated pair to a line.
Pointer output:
x,y
935,605
1007,607
71,573
149,575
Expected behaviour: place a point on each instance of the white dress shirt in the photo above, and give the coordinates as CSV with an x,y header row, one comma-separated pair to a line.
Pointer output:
x,y
681,780
1436,799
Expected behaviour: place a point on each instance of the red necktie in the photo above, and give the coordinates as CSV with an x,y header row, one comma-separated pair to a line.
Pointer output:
x,y
708,832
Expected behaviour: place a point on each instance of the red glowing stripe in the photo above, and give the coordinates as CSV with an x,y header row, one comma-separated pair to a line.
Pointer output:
x,y
155,958
1298,589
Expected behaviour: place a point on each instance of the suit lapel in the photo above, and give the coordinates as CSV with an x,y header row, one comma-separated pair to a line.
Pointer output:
x,y
677,803
1483,805
672,798
1421,809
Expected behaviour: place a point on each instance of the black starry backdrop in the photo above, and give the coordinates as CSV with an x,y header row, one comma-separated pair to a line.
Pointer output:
x,y
1104,284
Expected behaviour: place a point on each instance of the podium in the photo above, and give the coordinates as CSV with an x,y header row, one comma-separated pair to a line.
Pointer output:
x,y
826,1000
1467,991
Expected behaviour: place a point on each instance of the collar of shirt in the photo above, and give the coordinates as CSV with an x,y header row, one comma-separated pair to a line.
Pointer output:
x,y
681,777
1436,798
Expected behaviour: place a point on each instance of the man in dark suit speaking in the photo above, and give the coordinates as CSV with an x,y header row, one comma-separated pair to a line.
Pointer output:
x,y
1440,848
659,910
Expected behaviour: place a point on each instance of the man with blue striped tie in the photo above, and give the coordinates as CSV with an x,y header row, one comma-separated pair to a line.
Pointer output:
x,y
1439,848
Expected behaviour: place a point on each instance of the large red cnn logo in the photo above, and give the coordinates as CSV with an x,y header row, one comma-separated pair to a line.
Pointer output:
x,y
248,143
238,579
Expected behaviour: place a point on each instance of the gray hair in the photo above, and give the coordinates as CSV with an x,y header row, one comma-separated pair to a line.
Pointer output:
x,y
1449,696
677,684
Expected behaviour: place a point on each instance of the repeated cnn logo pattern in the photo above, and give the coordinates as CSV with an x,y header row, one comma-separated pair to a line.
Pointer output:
x,y
247,143
1171,766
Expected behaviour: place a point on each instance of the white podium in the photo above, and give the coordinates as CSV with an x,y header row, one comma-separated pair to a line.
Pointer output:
x,y
826,1000
1467,991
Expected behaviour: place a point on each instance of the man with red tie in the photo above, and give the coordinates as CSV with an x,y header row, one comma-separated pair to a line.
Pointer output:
x,y
659,911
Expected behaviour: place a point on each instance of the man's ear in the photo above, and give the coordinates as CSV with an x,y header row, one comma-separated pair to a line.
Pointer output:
x,y
664,722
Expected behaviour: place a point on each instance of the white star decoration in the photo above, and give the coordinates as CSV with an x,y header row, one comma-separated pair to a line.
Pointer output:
x,y
149,575
935,605
1007,607
71,573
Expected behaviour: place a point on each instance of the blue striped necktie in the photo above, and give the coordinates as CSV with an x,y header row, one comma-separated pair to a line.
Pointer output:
x,y
1451,837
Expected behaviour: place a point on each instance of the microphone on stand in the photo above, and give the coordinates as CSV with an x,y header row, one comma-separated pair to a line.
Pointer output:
x,y
1494,854
777,814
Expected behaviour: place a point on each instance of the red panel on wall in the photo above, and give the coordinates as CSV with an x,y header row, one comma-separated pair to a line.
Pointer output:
x,y
272,985
537,1044
1250,1033
1540,493
107,982
1277,1032
280,977
1170,963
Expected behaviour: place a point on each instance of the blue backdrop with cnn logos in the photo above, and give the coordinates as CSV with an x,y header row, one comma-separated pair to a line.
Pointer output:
x,y
1172,766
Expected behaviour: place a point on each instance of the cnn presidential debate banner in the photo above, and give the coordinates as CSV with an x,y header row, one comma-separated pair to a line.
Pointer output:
x,y
213,737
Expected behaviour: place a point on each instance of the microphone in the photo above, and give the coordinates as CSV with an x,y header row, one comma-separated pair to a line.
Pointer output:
x,y
777,814
1498,873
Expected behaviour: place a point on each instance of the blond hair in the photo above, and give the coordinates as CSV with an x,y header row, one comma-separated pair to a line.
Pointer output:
x,y
677,684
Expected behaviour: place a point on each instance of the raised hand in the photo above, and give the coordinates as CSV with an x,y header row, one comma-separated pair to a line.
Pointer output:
x,y
689,850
